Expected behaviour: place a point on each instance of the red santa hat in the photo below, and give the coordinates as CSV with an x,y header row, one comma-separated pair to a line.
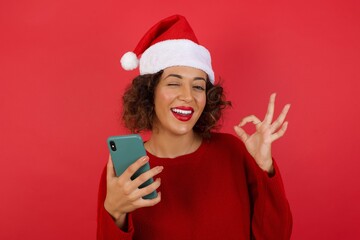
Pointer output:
x,y
170,42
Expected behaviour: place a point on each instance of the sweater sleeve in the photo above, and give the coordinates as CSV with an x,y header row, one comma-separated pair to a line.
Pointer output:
x,y
271,216
106,227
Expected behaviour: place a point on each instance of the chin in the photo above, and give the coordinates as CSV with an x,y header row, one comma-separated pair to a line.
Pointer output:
x,y
183,130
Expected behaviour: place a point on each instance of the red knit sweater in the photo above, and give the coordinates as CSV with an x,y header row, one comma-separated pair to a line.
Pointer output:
x,y
217,192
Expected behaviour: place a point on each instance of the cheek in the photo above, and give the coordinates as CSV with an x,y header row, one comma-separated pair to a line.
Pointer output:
x,y
163,100
162,97
201,100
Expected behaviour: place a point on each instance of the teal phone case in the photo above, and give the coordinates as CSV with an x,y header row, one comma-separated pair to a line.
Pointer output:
x,y
128,149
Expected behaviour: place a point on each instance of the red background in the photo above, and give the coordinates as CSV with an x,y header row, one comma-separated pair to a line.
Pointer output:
x,y
61,85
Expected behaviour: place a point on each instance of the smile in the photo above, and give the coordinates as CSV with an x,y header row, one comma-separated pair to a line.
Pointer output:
x,y
183,113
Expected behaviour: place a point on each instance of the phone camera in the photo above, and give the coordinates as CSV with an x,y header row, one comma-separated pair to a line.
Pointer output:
x,y
112,145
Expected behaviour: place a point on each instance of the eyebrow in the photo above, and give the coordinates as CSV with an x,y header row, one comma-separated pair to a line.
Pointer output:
x,y
180,77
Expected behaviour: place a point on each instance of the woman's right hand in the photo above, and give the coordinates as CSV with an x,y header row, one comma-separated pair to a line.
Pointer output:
x,y
123,195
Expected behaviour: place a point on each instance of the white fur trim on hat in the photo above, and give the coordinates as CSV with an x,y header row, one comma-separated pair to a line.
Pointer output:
x,y
129,61
177,52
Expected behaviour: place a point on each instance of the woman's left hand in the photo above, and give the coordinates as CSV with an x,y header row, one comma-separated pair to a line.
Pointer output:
x,y
259,143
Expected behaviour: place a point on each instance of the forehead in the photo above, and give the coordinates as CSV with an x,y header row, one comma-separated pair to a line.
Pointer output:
x,y
186,72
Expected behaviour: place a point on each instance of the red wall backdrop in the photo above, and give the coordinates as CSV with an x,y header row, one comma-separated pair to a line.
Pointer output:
x,y
61,85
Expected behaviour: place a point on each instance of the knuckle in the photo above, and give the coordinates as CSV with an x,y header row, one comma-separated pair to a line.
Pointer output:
x,y
132,199
127,190
132,168
143,177
152,188
119,183
149,189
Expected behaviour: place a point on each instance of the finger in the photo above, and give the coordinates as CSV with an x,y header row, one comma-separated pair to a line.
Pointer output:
x,y
150,188
280,133
146,176
134,167
241,133
150,202
270,111
279,121
248,119
110,171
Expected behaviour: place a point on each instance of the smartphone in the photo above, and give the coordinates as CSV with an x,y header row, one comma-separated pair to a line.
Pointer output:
x,y
124,151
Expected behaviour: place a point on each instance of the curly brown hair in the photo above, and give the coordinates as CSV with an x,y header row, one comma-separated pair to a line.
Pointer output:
x,y
138,105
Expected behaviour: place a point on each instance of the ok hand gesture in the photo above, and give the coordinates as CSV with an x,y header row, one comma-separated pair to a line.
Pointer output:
x,y
259,143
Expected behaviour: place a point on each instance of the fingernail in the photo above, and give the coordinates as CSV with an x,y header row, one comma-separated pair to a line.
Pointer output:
x,y
160,168
145,159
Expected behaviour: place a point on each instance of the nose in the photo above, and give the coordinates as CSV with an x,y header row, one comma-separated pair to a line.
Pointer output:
x,y
186,94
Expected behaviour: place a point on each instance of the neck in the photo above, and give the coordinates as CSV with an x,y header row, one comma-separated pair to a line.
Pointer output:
x,y
170,146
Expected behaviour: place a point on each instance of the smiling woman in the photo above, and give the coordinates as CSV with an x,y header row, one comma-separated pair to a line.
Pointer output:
x,y
180,94
213,185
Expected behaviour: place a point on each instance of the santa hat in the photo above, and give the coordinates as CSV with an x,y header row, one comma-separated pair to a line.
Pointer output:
x,y
170,42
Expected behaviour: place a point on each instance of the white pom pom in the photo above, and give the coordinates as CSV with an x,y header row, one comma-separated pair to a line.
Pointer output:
x,y
129,61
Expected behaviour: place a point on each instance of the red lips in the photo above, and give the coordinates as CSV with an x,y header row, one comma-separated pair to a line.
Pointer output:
x,y
182,113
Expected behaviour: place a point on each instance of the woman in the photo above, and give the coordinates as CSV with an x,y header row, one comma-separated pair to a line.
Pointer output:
x,y
211,185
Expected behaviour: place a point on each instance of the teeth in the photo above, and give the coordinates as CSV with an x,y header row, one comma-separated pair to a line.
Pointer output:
x,y
184,112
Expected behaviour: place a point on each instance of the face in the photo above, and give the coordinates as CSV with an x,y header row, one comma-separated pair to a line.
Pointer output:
x,y
180,98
